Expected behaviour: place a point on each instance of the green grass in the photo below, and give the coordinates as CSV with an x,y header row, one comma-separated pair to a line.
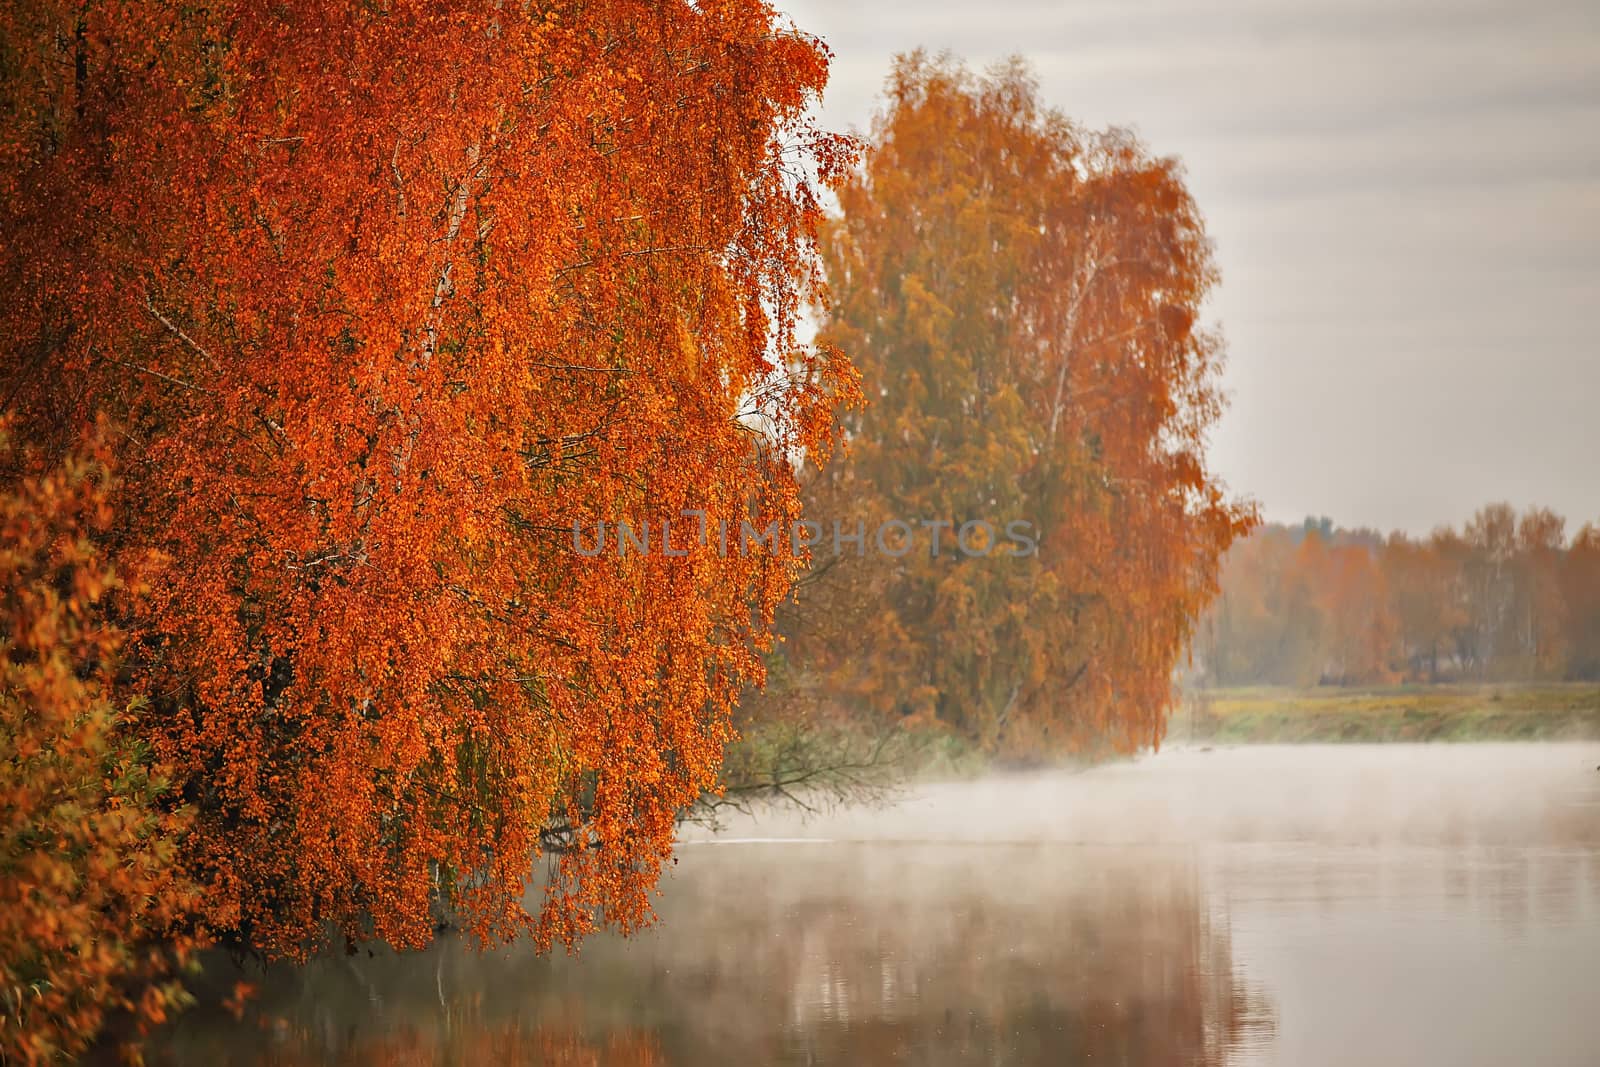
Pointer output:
x,y
1508,712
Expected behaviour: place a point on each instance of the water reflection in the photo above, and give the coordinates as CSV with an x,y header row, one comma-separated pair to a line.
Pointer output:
x,y
1248,907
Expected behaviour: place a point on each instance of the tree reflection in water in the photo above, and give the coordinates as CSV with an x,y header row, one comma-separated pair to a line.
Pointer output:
x,y
1398,904
852,953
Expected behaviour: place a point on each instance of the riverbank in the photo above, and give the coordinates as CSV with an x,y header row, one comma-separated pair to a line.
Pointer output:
x,y
1511,712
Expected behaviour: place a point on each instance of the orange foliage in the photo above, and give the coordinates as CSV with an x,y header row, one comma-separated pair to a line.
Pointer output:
x,y
91,906
1022,297
389,298
1580,581
1357,606
1506,598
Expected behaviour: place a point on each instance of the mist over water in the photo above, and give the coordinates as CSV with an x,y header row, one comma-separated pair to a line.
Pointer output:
x,y
1395,904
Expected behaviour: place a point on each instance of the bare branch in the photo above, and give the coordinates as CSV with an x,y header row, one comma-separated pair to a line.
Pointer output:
x,y
177,332
157,374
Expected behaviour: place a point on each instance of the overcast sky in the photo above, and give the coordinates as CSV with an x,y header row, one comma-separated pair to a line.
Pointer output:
x,y
1405,201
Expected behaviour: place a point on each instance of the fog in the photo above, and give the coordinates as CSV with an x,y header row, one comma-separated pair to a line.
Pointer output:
x,y
1186,795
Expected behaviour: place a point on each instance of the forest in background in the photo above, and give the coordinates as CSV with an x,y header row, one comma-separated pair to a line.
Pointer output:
x,y
1506,598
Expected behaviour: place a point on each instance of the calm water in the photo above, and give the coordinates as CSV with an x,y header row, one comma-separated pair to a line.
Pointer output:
x,y
1407,905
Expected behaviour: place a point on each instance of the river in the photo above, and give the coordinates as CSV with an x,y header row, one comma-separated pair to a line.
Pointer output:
x,y
1411,905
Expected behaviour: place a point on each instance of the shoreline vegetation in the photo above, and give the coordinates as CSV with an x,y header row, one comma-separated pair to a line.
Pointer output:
x,y
867,769
1527,711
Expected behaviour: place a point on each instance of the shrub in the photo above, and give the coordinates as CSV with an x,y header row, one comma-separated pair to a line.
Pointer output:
x,y
91,902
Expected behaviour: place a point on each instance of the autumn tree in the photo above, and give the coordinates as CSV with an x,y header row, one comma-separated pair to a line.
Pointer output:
x,y
1022,298
1361,627
1580,587
389,298
1491,537
1233,623
1541,630
1301,656
1266,624
1454,554
93,905
1425,598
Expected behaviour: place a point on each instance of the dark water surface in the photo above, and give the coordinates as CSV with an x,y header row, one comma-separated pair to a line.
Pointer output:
x,y
1365,905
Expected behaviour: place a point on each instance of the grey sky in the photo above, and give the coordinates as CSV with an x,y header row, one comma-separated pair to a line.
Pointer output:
x,y
1405,200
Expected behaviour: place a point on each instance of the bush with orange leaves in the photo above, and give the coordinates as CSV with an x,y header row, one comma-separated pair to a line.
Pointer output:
x,y
91,904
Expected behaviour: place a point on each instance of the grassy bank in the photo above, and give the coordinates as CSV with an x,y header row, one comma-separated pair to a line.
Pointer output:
x,y
1512,712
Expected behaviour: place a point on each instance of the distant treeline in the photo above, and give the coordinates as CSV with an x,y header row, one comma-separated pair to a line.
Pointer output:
x,y
1509,597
